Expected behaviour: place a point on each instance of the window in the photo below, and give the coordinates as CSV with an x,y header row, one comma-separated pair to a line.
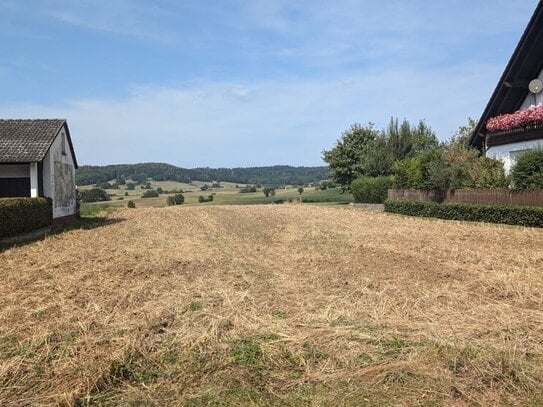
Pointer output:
x,y
63,135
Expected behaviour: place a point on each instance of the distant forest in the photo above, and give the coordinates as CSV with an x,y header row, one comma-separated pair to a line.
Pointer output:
x,y
274,175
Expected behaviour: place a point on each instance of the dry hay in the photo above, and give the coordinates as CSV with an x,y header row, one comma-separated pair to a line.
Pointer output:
x,y
263,305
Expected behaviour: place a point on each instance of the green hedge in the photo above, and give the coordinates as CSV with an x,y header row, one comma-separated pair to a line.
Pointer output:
x,y
22,215
371,189
507,214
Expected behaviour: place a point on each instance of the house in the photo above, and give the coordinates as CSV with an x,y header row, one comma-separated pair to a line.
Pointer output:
x,y
37,158
512,121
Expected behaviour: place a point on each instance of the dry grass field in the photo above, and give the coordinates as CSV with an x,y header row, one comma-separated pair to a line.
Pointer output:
x,y
273,305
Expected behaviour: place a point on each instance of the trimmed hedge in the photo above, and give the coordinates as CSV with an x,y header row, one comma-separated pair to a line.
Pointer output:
x,y
506,214
23,215
371,189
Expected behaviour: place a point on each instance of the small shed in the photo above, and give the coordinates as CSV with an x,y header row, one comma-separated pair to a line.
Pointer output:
x,y
37,159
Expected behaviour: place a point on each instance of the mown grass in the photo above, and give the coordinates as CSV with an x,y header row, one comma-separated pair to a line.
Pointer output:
x,y
273,305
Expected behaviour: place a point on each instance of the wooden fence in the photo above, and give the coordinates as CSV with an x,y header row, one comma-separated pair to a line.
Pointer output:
x,y
532,197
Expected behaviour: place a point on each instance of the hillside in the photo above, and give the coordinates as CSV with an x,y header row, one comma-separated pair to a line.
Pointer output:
x,y
273,175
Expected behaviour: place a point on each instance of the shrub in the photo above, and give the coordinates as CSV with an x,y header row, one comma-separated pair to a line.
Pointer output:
x,y
176,199
247,189
131,186
371,189
104,185
506,214
203,199
22,215
94,195
150,193
131,204
527,173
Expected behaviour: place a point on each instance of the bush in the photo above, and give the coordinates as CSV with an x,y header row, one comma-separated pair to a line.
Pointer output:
x,y
131,204
203,199
104,185
131,186
94,195
506,214
247,189
371,189
150,193
22,215
176,199
527,173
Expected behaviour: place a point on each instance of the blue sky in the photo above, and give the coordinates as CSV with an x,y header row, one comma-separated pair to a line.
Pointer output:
x,y
242,83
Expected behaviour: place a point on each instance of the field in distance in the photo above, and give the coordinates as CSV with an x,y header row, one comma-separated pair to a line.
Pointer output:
x,y
227,194
280,305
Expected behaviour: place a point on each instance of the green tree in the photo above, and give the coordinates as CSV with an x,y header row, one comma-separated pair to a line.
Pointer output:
x,y
150,193
300,190
176,199
346,156
94,195
527,173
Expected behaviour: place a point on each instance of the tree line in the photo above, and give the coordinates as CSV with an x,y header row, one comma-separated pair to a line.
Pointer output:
x,y
270,175
411,156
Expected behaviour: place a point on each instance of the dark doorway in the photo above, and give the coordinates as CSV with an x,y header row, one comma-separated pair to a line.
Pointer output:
x,y
14,187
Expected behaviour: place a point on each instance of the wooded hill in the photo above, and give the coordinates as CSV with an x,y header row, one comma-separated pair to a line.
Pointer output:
x,y
273,175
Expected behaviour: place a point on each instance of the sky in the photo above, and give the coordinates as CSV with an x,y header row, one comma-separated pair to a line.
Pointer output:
x,y
230,83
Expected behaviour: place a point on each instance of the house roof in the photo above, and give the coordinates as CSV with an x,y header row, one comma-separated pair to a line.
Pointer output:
x,y
23,141
525,64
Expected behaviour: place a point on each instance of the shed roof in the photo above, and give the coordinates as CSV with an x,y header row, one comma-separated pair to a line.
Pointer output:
x,y
525,64
23,141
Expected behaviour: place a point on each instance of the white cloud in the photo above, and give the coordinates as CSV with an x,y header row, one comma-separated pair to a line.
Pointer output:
x,y
263,122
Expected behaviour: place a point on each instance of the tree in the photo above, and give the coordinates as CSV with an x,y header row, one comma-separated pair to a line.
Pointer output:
x,y
527,173
131,204
104,185
268,191
94,195
176,199
130,186
363,151
300,190
150,193
346,156
462,137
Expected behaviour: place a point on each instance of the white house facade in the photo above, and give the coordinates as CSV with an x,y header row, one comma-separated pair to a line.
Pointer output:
x,y
513,97
37,158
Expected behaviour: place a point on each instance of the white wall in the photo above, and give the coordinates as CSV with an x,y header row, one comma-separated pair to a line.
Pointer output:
x,y
507,152
530,98
15,171
53,183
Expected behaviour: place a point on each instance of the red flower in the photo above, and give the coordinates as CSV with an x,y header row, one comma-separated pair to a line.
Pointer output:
x,y
511,121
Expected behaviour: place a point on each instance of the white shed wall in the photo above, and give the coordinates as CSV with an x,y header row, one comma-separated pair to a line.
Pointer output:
x,y
507,153
56,185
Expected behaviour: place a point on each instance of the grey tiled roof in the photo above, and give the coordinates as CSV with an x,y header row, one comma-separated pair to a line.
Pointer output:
x,y
27,140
